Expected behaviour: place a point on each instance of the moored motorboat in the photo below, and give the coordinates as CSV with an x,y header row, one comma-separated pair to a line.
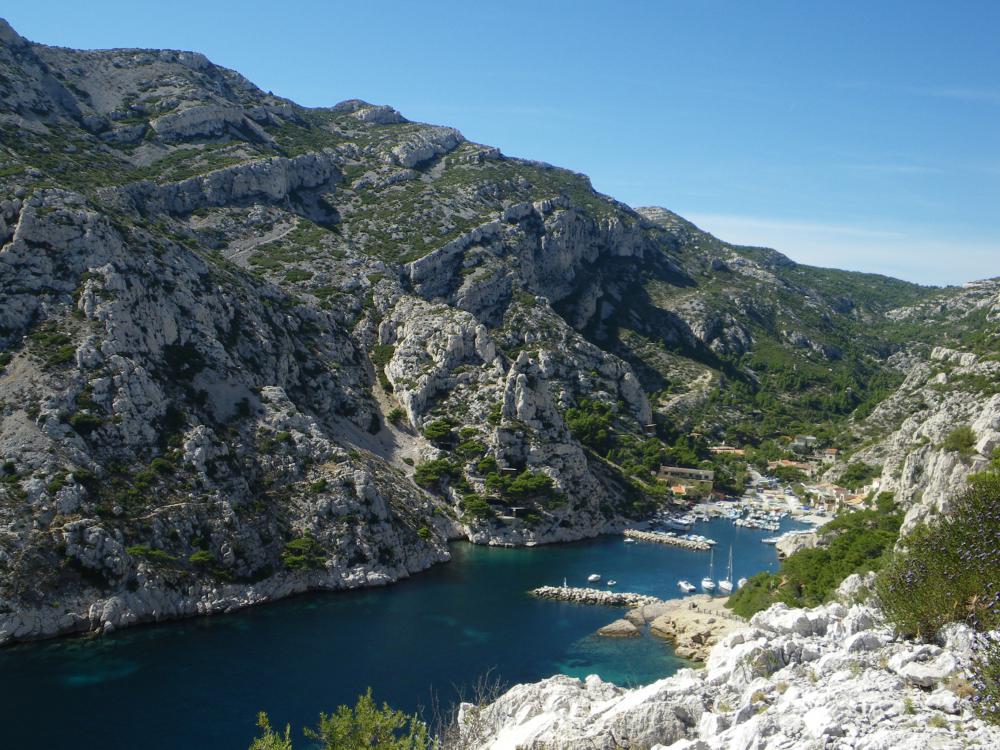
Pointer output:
x,y
594,577
686,586
612,582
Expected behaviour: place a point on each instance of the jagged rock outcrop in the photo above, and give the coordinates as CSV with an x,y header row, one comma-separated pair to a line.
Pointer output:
x,y
829,676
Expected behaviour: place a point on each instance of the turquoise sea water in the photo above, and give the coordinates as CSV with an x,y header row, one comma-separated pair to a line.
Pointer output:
x,y
199,683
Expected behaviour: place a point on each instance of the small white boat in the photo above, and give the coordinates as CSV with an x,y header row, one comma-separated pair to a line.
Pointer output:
x,y
628,540
726,584
686,586
707,584
593,577
612,582
741,583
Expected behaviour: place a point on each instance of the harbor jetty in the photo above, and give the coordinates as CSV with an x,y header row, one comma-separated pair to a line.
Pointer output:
x,y
662,538
594,596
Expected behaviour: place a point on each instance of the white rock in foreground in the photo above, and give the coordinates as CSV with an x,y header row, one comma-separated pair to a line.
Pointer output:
x,y
828,677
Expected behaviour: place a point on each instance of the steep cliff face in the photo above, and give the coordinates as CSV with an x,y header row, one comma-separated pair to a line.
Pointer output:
x,y
943,422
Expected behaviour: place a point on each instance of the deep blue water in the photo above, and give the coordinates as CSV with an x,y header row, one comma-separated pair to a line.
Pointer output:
x,y
199,683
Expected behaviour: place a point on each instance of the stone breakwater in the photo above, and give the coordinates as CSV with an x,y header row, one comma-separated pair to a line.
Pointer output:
x,y
830,677
594,596
662,538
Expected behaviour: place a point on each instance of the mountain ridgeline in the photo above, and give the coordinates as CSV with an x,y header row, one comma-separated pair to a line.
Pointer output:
x,y
249,348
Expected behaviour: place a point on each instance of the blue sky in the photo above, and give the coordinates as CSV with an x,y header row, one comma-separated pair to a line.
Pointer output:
x,y
859,135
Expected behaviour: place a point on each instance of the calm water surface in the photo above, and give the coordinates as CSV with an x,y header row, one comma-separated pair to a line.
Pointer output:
x,y
199,683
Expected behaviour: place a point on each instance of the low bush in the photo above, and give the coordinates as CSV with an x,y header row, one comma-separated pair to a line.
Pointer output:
x,y
303,553
858,473
201,559
950,569
439,431
363,726
435,473
85,424
960,440
475,507
590,424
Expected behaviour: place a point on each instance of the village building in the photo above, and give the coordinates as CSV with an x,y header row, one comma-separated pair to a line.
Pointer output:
x,y
700,480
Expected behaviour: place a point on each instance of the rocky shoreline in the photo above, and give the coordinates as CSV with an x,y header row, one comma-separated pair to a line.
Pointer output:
x,y
153,603
693,624
830,677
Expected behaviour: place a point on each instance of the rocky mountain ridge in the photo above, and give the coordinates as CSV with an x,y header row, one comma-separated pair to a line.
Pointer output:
x,y
250,348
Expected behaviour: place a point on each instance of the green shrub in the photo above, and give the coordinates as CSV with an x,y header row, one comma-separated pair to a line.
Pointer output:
x,y
396,415
488,465
470,449
85,424
294,275
318,486
433,473
150,553
269,739
495,414
590,424
424,532
790,475
960,440
858,473
381,354
985,672
201,559
162,466
475,507
52,345
363,726
949,570
528,484
439,430
303,553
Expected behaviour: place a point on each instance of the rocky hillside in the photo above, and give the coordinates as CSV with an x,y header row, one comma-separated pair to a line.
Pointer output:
x,y
249,348
943,422
833,676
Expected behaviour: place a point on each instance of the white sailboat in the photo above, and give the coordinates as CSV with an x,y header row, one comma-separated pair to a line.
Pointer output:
x,y
707,583
726,584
